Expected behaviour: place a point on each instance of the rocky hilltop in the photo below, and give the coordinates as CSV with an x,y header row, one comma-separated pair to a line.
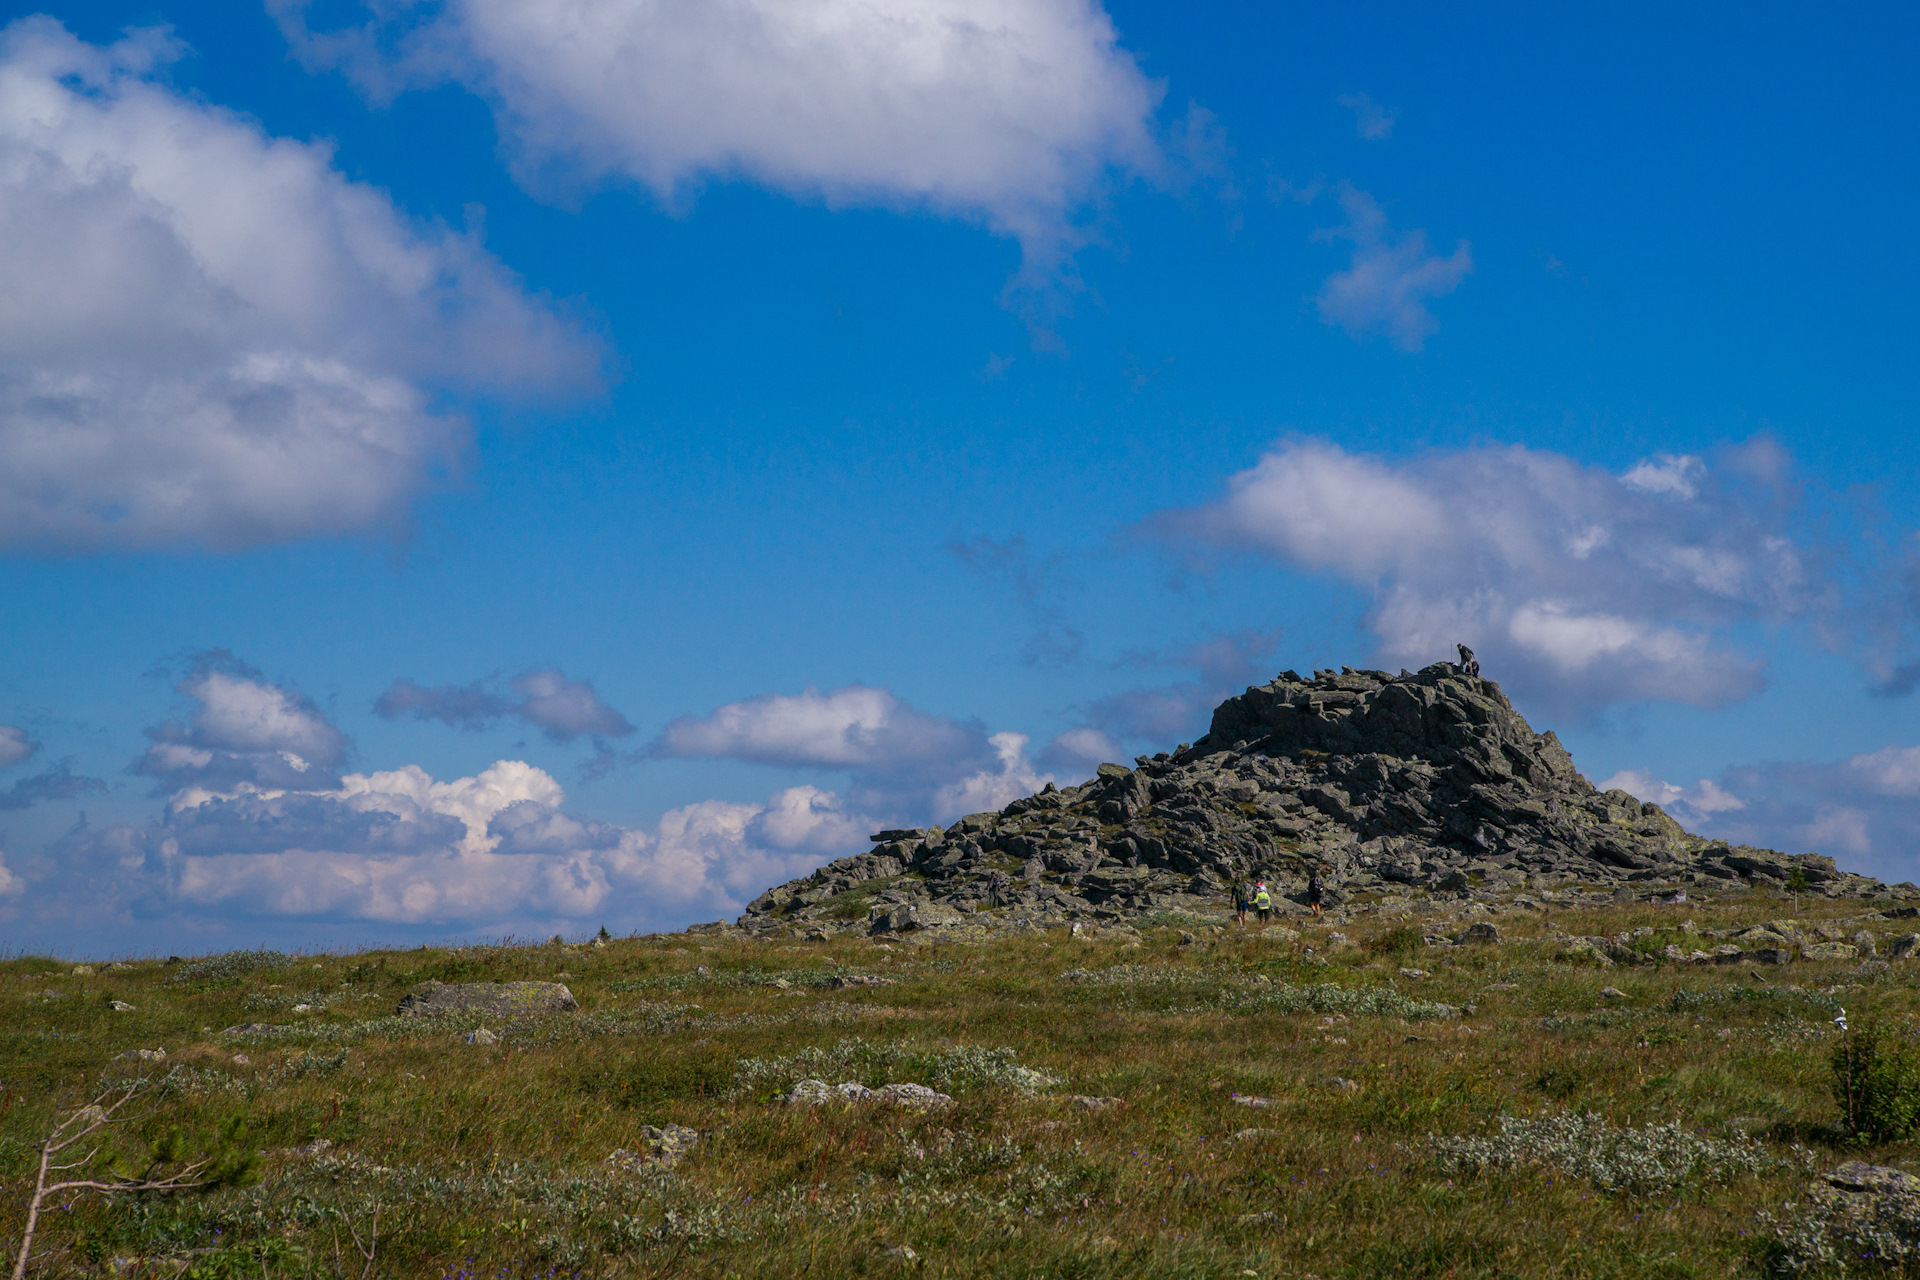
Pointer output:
x,y
1388,786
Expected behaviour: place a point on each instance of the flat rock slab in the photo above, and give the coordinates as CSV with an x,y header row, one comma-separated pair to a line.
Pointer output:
x,y
499,999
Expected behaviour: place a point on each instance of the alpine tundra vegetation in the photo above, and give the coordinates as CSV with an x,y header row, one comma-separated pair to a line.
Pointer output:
x,y
1538,1030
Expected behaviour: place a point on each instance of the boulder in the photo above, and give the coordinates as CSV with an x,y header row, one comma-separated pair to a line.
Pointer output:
x,y
1857,1210
1829,951
496,999
1480,933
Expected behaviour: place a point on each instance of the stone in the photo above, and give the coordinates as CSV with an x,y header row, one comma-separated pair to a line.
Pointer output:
x,y
141,1055
1093,1104
810,1093
1480,933
498,999
911,1095
1829,951
482,1037
1860,1208
1254,1135
242,1060
1252,1100
120,1006
1413,973
1612,993
83,971
1340,1084
253,1029
1770,955
671,1143
1904,946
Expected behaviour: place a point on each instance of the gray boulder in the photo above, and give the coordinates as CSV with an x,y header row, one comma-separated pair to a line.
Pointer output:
x,y
1856,1210
495,999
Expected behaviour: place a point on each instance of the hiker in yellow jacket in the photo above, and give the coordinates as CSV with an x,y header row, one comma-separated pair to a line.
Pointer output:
x,y
1263,902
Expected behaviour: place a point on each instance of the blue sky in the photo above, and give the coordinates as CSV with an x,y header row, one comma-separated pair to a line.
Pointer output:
x,y
460,479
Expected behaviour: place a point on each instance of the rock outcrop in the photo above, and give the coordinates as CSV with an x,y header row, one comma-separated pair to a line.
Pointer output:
x,y
1421,782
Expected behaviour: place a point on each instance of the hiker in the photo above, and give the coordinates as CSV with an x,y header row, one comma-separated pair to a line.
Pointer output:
x,y
1239,900
1316,891
1263,902
1468,663
996,890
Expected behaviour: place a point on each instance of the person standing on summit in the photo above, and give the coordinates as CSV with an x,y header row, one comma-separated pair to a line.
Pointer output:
x,y
1468,663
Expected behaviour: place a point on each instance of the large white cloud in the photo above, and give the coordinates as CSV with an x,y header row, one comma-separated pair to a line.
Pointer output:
x,y
1006,111
1577,586
242,729
208,335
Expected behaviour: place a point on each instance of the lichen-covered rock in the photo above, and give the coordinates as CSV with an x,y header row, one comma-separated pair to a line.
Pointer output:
x,y
1830,951
1427,780
496,999
1854,1212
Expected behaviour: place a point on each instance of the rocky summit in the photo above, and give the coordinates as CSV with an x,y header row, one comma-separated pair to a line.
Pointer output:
x,y
1386,786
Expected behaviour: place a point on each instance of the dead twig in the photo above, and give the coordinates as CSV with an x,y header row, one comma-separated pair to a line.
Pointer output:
x,y
77,1128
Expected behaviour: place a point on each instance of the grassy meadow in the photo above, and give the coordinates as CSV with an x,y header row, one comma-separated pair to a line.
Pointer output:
x,y
1194,1099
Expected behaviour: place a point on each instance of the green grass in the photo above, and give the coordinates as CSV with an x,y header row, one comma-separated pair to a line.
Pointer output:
x,y
490,1160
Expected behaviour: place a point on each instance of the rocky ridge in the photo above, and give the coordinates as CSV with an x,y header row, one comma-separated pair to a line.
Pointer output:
x,y
1427,783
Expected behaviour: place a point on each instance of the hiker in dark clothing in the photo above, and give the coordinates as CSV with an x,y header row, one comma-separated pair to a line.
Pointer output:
x,y
1316,891
1239,901
1468,663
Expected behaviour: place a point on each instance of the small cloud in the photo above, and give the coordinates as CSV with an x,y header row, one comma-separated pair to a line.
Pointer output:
x,y
1370,120
57,783
854,727
15,745
563,709
1386,288
242,730
1676,474
1279,188
995,368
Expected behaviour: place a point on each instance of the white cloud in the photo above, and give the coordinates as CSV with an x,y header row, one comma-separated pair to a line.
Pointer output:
x,y
1890,771
1370,120
1577,587
856,727
1679,475
1386,288
1687,804
992,788
11,885
1010,112
208,336
15,745
242,729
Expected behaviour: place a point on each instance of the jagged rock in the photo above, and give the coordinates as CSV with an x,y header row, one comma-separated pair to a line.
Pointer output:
x,y
1829,951
1423,781
1480,933
1904,946
500,999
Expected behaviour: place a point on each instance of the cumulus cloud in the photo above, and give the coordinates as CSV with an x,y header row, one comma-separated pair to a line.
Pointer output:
x,y
1158,717
563,709
1863,811
1579,588
15,745
242,729
496,850
1392,277
905,763
855,727
1008,112
1370,120
208,335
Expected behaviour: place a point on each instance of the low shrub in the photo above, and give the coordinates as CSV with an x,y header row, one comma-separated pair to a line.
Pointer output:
x,y
1876,1081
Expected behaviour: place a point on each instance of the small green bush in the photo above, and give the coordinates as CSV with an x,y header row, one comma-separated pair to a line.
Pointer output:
x,y
1876,1081
1401,942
